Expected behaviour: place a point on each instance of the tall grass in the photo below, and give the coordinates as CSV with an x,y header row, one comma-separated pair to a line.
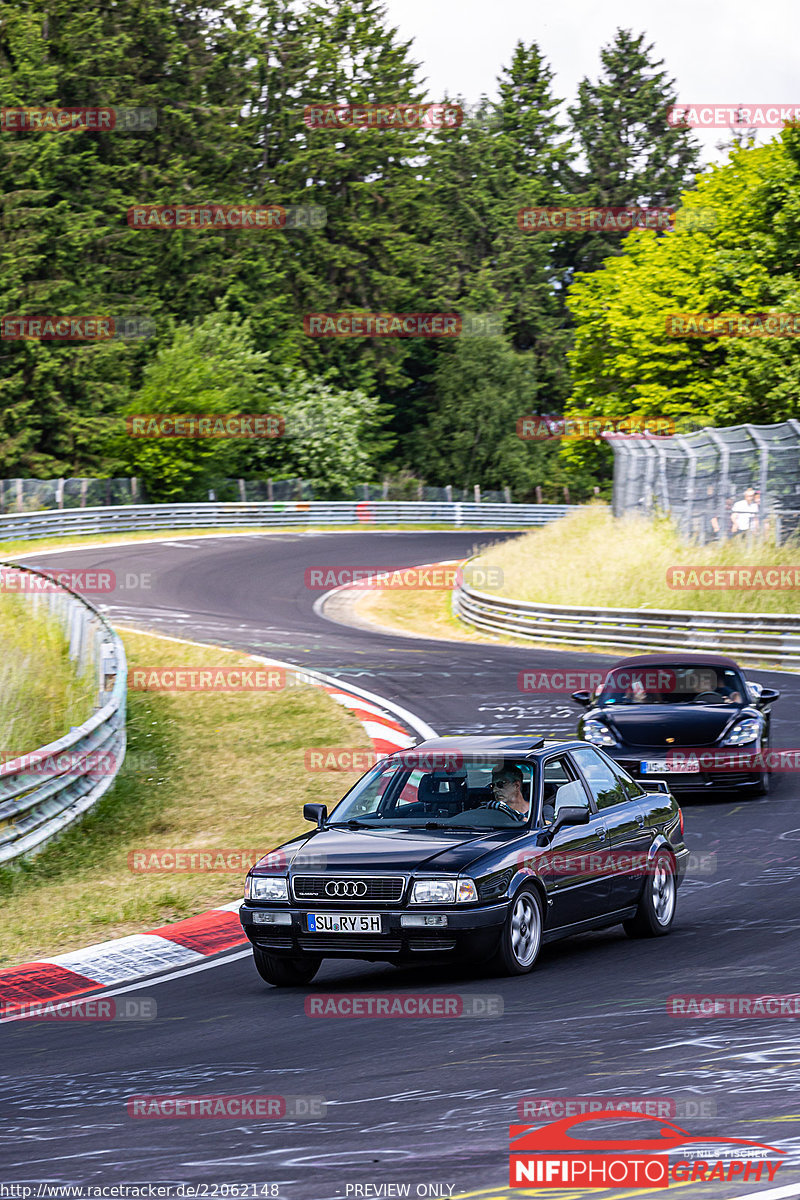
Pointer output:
x,y
42,693
590,558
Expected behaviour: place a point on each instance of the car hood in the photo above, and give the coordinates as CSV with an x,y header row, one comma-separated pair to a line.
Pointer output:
x,y
395,849
682,724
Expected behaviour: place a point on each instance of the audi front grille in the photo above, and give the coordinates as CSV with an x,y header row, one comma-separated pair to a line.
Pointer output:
x,y
349,889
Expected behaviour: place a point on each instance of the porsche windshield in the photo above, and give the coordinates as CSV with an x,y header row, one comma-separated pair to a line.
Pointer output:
x,y
441,791
666,684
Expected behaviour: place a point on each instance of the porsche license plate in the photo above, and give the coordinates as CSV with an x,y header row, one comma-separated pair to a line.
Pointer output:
x,y
344,923
663,768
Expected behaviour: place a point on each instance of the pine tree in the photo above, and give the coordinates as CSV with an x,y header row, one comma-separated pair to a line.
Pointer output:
x,y
66,245
632,154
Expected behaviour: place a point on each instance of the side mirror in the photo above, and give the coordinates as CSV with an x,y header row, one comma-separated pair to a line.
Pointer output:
x,y
569,815
583,698
768,695
315,812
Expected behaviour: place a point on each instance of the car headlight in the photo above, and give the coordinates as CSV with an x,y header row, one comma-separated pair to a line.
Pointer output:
x,y
748,730
598,734
266,887
443,891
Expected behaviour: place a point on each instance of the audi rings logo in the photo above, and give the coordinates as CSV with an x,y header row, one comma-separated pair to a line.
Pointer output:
x,y
346,887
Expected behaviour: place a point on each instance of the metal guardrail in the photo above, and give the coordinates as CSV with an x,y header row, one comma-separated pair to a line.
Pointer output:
x,y
771,639
132,517
43,792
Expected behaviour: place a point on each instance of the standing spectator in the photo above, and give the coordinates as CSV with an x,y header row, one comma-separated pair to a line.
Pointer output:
x,y
744,514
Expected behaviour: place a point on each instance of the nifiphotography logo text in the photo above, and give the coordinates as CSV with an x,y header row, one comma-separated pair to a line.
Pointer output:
x,y
552,1155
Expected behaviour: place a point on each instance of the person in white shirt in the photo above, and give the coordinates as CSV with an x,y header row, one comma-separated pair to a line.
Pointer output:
x,y
744,514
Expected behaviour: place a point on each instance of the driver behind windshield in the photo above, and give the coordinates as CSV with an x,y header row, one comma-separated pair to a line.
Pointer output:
x,y
507,794
680,685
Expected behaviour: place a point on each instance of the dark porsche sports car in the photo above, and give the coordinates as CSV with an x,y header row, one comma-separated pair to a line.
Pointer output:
x,y
478,848
692,718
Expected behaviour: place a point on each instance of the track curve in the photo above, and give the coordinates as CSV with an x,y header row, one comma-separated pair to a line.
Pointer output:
x,y
417,1102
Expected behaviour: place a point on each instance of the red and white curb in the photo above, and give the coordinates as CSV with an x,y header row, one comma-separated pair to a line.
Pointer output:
x,y
50,980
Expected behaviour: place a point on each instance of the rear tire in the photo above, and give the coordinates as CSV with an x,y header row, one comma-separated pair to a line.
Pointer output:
x,y
285,972
656,910
521,939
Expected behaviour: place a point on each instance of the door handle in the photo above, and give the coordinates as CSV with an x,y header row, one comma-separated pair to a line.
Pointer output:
x,y
640,820
601,833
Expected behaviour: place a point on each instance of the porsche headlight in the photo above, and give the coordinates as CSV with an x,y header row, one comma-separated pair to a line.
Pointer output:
x,y
266,887
598,734
748,730
443,891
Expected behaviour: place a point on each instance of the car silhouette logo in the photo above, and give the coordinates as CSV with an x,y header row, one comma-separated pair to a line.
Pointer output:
x,y
345,887
556,1136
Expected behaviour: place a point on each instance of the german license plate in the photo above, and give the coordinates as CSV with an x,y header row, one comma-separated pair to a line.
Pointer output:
x,y
344,923
688,767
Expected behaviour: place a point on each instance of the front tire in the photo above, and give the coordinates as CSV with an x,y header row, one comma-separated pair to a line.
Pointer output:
x,y
285,972
656,910
521,939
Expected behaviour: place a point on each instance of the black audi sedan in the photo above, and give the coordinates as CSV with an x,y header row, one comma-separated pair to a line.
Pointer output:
x,y
691,718
475,848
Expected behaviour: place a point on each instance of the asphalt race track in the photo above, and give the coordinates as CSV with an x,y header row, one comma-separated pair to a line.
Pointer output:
x,y
419,1102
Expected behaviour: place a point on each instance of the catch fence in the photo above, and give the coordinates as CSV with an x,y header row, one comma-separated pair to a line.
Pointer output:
x,y
703,480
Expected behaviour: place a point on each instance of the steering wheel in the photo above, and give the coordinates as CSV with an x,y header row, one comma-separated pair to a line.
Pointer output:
x,y
715,696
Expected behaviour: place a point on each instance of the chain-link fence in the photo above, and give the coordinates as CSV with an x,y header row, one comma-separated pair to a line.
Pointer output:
x,y
37,495
34,495
716,483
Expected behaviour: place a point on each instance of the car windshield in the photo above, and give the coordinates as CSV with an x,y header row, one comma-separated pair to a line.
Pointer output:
x,y
441,791
665,683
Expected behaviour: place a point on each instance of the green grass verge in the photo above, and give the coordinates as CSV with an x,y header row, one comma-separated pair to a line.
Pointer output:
x,y
593,560
42,693
205,771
